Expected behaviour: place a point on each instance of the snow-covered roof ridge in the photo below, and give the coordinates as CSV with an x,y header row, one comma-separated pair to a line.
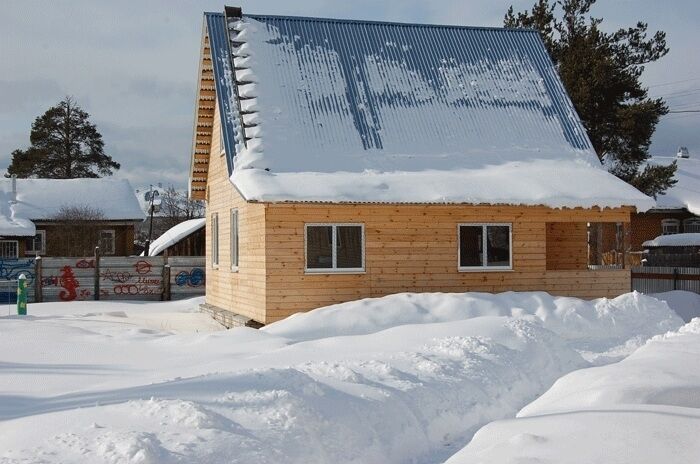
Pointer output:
x,y
42,199
686,192
687,239
175,234
327,96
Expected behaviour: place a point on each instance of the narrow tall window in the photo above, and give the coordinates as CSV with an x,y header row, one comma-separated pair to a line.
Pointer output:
x,y
485,246
234,239
215,240
335,248
107,245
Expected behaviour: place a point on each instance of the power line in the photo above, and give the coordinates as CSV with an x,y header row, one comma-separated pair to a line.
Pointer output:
x,y
663,84
685,111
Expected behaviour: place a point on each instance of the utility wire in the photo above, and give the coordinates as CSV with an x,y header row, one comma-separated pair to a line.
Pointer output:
x,y
663,84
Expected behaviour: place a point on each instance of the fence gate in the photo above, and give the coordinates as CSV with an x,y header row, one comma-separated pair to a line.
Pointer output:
x,y
654,279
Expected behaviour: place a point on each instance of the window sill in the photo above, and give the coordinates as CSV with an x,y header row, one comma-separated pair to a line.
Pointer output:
x,y
215,266
333,271
234,269
485,269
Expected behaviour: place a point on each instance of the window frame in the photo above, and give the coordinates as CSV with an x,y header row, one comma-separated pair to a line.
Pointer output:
x,y
113,240
670,222
234,234
484,244
42,250
691,222
214,235
334,252
16,246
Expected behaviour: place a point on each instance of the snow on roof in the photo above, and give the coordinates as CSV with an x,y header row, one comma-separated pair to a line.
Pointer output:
x,y
42,199
686,192
400,100
674,240
555,184
175,234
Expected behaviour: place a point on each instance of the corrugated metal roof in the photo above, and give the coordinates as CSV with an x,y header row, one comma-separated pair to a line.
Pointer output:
x,y
344,95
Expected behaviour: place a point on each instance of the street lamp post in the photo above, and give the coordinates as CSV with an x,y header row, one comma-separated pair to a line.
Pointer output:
x,y
153,197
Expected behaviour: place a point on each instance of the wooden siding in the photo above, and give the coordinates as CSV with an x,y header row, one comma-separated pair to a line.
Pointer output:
x,y
567,246
414,248
57,240
241,291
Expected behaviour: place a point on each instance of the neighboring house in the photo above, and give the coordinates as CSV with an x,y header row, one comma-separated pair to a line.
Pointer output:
x,y
673,250
678,210
184,239
33,221
348,159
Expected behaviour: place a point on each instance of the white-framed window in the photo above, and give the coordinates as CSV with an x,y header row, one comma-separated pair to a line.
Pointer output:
x,y
9,249
37,244
215,240
485,247
334,247
107,246
691,225
234,239
670,226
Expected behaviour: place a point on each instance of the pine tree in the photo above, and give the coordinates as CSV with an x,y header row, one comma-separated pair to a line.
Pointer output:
x,y
64,145
601,72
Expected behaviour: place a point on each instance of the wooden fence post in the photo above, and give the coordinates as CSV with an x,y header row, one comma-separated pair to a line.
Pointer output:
x,y
38,290
97,273
166,282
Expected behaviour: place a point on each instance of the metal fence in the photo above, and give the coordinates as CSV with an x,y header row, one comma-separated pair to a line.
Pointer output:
x,y
655,279
104,278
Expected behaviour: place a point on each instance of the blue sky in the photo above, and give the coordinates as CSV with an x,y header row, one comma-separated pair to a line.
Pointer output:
x,y
132,65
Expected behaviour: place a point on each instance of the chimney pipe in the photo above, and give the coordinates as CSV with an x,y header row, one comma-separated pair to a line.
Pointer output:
x,y
14,188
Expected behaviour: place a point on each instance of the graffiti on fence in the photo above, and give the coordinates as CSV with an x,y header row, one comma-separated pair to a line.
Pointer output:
x,y
115,276
85,264
193,278
10,269
143,267
72,279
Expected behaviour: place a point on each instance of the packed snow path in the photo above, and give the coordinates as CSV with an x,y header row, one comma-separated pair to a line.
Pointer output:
x,y
405,378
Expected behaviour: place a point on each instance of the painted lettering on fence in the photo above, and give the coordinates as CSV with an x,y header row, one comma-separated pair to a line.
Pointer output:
x,y
193,278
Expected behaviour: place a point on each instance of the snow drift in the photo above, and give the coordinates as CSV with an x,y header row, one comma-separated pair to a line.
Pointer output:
x,y
404,378
644,409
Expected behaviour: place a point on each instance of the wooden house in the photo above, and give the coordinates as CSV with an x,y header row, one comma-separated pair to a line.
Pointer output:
x,y
677,211
67,217
346,159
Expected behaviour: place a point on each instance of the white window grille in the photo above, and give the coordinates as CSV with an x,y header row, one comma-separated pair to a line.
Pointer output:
x,y
484,247
670,226
37,244
335,247
691,225
9,249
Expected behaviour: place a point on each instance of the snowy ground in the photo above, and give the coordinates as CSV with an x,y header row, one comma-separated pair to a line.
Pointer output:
x,y
405,378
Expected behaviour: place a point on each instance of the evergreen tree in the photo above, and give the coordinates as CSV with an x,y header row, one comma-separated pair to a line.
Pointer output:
x,y
601,72
64,145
